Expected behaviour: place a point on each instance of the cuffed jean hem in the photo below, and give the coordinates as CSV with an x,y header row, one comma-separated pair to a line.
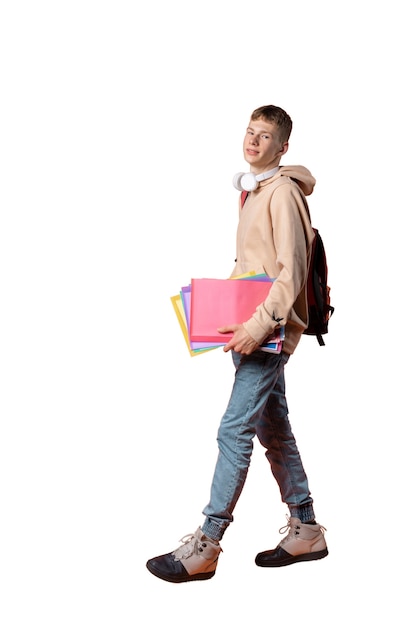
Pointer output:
x,y
213,530
305,513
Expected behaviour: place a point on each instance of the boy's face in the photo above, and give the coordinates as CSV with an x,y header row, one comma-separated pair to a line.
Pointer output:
x,y
262,148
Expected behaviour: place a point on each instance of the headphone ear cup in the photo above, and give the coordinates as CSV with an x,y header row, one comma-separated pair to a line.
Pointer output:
x,y
248,181
237,181
245,181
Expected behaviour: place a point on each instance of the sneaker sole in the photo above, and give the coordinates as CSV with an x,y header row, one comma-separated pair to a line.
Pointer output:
x,y
186,578
298,558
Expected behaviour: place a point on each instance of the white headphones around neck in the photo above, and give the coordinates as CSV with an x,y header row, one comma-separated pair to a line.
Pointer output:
x,y
250,181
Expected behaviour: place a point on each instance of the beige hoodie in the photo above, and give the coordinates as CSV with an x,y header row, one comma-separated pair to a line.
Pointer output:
x,y
274,236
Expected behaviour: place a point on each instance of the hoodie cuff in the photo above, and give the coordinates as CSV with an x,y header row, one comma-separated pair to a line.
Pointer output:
x,y
258,332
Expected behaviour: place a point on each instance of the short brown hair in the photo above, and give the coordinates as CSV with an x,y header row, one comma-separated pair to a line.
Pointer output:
x,y
276,116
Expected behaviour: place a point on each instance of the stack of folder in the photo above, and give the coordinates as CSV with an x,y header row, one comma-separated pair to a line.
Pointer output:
x,y
209,303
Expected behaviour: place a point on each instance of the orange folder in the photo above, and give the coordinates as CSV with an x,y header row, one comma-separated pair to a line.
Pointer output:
x,y
219,302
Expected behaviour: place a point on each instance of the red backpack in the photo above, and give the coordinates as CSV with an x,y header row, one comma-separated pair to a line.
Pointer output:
x,y
318,291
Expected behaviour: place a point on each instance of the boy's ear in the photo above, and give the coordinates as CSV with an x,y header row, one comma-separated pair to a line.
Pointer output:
x,y
284,148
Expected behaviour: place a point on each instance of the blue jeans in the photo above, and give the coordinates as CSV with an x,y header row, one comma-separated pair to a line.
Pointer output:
x,y
257,406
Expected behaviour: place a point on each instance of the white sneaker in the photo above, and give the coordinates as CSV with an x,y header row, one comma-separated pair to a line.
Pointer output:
x,y
304,542
196,559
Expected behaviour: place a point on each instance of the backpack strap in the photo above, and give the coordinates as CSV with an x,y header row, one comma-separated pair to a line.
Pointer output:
x,y
243,197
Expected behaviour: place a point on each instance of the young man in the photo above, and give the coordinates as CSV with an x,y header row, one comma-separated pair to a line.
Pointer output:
x,y
274,236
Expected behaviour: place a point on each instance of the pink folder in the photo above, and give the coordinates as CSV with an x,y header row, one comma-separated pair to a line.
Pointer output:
x,y
186,301
219,302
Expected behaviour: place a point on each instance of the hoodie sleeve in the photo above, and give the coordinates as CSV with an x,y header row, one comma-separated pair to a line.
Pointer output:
x,y
292,234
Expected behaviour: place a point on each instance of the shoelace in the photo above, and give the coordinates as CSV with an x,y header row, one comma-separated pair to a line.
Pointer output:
x,y
288,527
191,545
293,528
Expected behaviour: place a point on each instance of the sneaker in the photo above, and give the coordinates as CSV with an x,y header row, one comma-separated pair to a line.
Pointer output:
x,y
304,542
196,559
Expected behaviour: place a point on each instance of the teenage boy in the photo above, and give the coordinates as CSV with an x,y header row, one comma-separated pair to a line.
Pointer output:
x,y
274,236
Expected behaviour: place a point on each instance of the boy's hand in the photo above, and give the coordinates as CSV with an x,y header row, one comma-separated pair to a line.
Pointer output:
x,y
241,341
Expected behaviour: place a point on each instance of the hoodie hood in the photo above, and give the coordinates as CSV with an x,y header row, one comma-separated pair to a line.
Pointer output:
x,y
301,175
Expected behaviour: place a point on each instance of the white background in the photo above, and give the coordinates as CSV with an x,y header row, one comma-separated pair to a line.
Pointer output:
x,y
121,129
